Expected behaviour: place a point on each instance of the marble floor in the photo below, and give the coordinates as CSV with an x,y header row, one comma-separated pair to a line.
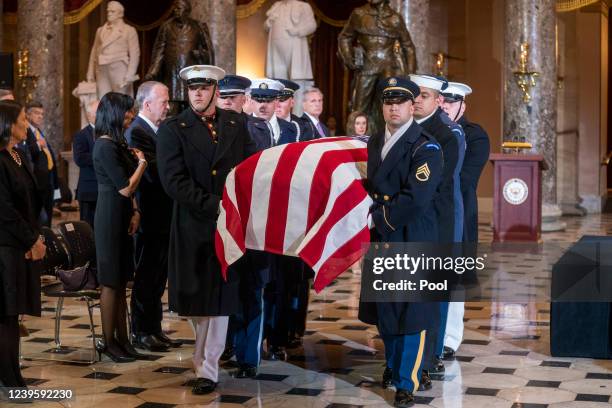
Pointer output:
x,y
504,360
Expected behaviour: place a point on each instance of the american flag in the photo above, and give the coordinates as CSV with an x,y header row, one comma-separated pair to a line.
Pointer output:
x,y
302,199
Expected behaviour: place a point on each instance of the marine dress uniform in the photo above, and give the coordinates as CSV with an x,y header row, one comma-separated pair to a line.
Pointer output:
x,y
404,171
195,153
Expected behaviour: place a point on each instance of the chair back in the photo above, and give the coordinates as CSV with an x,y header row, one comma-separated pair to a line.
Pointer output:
x,y
57,255
80,239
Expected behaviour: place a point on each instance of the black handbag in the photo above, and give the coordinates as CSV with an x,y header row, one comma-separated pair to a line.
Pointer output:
x,y
79,278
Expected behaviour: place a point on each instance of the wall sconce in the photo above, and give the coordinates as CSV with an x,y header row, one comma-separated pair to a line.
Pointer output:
x,y
525,79
439,64
28,82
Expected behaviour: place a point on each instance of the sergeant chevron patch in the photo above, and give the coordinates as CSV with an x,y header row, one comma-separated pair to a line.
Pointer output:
x,y
422,173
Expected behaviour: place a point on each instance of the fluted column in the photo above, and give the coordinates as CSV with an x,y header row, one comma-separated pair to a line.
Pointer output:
x,y
40,30
416,16
220,16
533,22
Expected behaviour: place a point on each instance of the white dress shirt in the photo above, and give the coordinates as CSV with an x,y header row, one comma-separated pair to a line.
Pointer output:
x,y
143,117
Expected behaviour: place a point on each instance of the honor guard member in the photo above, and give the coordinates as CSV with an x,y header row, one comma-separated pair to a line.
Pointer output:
x,y
404,171
476,156
264,94
286,102
430,116
299,288
232,96
196,150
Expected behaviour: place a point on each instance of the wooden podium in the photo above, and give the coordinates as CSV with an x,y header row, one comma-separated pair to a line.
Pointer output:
x,y
517,197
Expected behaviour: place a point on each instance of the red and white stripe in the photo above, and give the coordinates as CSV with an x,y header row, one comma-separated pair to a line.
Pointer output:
x,y
301,199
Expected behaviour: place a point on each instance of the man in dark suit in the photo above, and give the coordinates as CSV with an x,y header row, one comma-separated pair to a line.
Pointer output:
x,y
476,156
196,150
404,170
286,102
151,242
43,160
82,148
313,107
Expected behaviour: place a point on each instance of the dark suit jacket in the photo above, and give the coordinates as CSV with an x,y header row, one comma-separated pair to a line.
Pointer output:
x,y
445,199
193,169
476,156
45,180
155,204
315,132
82,148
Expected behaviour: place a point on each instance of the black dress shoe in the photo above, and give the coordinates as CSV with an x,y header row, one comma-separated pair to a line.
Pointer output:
x,y
149,342
131,351
448,353
277,353
425,383
228,353
438,366
203,386
161,336
403,399
246,371
387,378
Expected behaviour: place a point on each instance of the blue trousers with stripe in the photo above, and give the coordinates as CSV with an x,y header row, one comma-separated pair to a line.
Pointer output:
x,y
404,354
249,335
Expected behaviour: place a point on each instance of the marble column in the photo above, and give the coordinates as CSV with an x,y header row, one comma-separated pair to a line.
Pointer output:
x,y
220,16
416,16
40,30
533,22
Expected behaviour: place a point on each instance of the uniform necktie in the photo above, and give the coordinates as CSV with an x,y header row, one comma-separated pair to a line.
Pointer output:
x,y
45,150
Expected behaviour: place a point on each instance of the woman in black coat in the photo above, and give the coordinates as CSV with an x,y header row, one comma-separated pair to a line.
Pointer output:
x,y
118,171
20,241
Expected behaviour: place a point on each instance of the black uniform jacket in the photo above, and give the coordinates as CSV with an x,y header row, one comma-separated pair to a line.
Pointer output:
x,y
403,187
193,170
476,156
444,201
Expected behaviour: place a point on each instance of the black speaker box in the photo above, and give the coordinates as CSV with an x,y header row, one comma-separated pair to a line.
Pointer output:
x,y
6,70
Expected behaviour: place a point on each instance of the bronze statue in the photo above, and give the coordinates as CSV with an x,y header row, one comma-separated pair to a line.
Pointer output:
x,y
375,43
180,42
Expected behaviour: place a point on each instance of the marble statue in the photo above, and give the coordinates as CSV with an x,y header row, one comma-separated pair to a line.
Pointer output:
x,y
289,23
375,43
180,42
115,54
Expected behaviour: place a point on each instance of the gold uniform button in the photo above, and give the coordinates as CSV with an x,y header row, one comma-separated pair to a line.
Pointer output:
x,y
214,172
386,246
376,246
386,197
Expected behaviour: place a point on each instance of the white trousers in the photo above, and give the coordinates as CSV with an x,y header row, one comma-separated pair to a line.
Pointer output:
x,y
210,333
454,325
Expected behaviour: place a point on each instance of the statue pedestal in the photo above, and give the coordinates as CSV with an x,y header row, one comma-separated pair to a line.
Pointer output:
x,y
73,171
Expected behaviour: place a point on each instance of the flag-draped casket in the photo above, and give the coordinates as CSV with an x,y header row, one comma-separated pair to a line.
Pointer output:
x,y
302,199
